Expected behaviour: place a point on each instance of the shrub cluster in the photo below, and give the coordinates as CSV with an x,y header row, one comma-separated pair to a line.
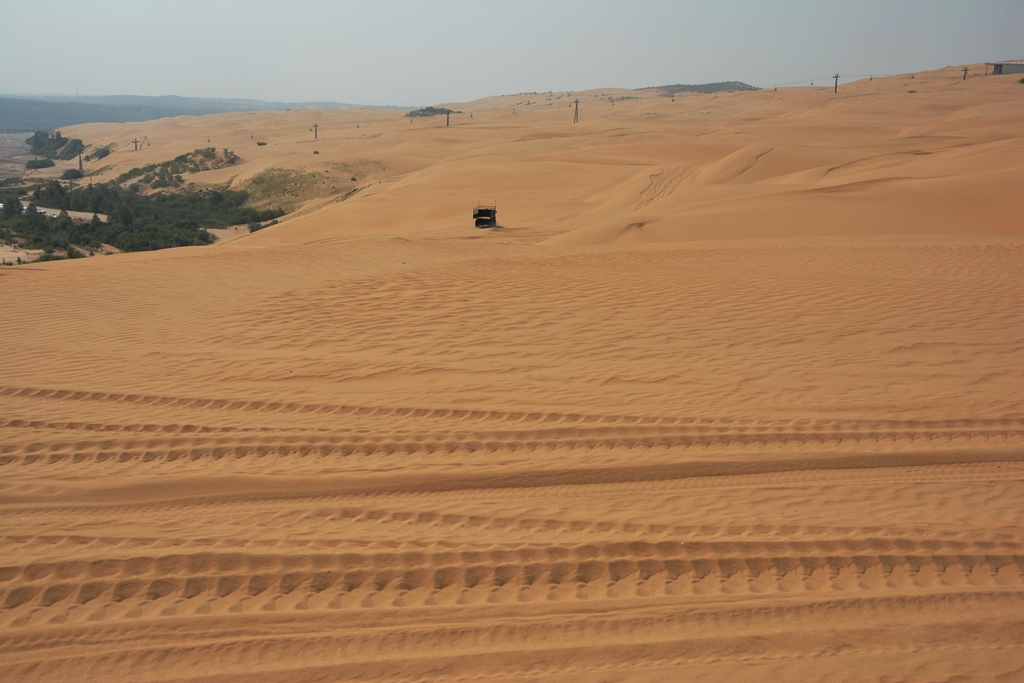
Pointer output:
x,y
38,163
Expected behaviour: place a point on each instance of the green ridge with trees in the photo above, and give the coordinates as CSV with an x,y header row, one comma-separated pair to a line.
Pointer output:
x,y
703,88
430,111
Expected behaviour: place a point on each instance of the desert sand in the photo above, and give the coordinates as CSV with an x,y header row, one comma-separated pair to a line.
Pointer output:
x,y
734,392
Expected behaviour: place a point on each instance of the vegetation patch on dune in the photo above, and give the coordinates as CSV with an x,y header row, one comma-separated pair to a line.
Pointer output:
x,y
168,173
288,188
357,169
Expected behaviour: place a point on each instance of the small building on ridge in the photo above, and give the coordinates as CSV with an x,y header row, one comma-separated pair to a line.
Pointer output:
x,y
1009,66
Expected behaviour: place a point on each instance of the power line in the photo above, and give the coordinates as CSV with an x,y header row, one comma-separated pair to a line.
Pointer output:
x,y
822,77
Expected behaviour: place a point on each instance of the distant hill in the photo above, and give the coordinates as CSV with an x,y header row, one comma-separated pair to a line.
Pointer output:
x,y
46,112
705,88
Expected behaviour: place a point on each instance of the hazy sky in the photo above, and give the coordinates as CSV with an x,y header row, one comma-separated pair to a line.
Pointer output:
x,y
428,52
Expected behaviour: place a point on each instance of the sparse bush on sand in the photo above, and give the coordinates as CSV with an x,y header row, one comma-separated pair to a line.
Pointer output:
x,y
255,226
98,153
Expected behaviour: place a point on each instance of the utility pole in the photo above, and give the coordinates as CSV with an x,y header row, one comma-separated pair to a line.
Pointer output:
x,y
79,161
576,116
314,131
837,83
136,141
965,73
447,119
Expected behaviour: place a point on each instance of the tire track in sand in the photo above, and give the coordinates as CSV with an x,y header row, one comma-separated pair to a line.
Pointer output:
x,y
454,574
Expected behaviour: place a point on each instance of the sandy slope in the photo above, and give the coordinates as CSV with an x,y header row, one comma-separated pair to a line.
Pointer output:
x,y
602,442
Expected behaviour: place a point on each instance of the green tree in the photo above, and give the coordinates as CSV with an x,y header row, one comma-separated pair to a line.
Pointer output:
x,y
12,206
125,214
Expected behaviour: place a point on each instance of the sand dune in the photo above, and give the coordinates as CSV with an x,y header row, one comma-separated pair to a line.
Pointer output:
x,y
732,393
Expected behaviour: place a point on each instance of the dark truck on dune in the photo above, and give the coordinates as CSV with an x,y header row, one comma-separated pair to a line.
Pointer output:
x,y
485,216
